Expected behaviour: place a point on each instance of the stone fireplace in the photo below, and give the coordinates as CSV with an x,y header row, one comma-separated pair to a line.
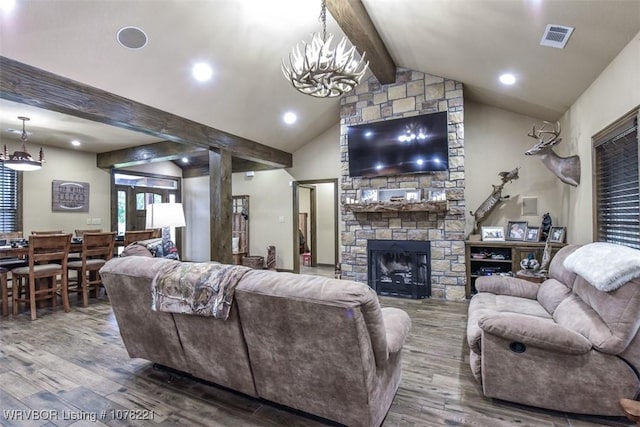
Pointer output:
x,y
400,267
413,93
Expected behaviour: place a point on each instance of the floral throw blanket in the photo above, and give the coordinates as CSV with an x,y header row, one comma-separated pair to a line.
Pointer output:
x,y
205,289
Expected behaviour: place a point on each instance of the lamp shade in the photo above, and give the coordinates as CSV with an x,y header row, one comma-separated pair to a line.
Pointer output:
x,y
160,215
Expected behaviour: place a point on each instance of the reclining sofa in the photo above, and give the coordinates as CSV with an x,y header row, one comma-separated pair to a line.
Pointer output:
x,y
319,345
569,344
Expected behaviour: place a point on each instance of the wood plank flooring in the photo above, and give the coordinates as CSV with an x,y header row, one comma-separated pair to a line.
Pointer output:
x,y
73,370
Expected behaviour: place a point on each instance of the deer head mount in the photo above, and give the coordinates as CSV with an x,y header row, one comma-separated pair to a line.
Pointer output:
x,y
565,168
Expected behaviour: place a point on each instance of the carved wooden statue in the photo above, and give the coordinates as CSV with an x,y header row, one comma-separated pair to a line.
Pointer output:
x,y
494,198
565,168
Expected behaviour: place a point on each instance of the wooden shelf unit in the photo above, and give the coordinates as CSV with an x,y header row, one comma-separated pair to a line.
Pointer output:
x,y
513,251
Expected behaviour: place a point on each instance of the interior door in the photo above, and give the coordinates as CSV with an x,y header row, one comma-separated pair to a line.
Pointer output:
x,y
135,203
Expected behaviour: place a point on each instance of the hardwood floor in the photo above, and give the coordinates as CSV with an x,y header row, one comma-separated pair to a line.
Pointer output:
x,y
74,366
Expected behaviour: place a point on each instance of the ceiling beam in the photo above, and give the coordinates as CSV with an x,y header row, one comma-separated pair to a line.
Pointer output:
x,y
149,153
29,85
354,20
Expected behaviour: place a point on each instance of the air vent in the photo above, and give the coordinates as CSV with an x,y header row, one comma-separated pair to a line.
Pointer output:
x,y
132,37
556,36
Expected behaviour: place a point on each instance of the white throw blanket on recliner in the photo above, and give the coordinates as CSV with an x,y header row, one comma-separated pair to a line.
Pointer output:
x,y
606,266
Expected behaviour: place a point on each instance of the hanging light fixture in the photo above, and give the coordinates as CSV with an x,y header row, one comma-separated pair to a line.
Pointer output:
x,y
317,70
22,160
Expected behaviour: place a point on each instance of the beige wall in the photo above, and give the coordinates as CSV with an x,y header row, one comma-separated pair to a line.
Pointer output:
x,y
195,199
613,94
270,213
68,165
495,141
325,223
320,158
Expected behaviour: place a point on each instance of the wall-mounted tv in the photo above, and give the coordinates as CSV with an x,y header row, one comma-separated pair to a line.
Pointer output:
x,y
400,146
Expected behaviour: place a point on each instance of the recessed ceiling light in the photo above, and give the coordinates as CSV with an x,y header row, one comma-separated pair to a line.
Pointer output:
x,y
75,143
202,72
289,118
7,5
507,79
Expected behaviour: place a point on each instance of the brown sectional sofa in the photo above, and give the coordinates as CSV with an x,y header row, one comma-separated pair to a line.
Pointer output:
x,y
562,345
319,345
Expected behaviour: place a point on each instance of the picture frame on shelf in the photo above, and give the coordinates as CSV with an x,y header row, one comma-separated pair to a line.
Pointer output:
x,y
516,230
437,195
492,234
369,195
557,234
533,234
412,195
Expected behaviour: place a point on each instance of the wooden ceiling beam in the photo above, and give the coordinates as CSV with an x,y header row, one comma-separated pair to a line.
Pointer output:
x,y
149,153
29,85
354,20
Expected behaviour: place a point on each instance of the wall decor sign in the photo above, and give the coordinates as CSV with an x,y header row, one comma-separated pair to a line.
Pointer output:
x,y
70,196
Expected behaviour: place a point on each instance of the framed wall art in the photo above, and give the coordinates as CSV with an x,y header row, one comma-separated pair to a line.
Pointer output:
x,y
70,196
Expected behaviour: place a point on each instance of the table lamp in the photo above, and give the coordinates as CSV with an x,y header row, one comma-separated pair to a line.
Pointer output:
x,y
164,216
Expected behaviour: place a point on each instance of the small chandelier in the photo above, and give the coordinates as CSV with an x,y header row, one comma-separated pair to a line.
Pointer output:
x,y
22,160
317,70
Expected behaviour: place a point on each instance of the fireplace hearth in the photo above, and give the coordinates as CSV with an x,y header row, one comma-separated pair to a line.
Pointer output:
x,y
400,268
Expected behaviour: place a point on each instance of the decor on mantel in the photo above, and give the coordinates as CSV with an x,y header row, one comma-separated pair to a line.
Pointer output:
x,y
399,206
494,198
567,169
320,71
22,160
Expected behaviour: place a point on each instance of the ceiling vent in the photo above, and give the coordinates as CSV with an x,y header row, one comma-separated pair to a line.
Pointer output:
x,y
556,36
132,37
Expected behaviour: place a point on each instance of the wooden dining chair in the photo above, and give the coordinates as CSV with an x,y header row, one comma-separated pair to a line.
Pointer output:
x,y
97,248
4,291
80,233
47,260
45,232
135,236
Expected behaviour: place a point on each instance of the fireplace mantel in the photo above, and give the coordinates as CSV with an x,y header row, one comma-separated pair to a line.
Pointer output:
x,y
423,206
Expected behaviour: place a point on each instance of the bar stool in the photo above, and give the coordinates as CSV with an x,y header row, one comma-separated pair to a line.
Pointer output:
x,y
97,249
4,291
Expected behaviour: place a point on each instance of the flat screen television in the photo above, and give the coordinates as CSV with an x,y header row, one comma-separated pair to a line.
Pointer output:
x,y
400,146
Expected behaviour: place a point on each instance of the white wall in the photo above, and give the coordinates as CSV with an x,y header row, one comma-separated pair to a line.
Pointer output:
x,y
158,168
613,94
495,141
67,165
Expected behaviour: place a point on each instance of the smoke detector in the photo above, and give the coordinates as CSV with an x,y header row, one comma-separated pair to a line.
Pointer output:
x,y
556,36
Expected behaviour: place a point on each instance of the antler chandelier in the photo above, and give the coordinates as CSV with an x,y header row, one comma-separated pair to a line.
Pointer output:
x,y
22,160
317,70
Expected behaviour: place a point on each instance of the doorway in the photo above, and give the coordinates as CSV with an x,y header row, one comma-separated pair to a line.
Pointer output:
x,y
315,226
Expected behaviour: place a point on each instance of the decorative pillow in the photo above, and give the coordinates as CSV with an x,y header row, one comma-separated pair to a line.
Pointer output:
x,y
134,249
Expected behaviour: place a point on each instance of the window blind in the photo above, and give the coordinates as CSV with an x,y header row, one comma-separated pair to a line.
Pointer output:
x,y
617,186
8,199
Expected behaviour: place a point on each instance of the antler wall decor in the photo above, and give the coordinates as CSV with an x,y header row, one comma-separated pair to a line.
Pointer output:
x,y
565,168
494,198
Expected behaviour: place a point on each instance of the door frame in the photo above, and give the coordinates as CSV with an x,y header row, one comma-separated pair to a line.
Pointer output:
x,y
312,218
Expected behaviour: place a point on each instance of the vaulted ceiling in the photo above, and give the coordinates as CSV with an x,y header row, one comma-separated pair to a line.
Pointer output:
x,y
472,41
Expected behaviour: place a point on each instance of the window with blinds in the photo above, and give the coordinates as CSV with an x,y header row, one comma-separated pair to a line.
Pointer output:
x,y
616,184
9,219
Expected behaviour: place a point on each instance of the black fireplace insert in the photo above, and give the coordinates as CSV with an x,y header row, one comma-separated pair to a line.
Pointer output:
x,y
400,267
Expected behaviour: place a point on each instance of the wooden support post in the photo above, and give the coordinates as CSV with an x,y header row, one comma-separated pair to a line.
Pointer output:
x,y
220,205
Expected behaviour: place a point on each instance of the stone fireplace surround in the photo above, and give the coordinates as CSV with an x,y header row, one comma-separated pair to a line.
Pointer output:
x,y
412,94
